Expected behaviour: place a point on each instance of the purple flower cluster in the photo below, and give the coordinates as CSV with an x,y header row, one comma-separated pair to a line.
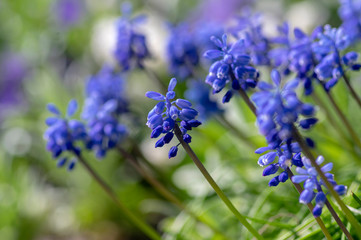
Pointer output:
x,y
313,185
164,116
233,65
279,109
105,102
131,48
64,134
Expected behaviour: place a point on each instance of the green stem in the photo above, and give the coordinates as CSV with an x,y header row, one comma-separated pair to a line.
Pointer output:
x,y
214,185
310,206
148,230
351,218
347,124
338,220
350,88
163,191
329,117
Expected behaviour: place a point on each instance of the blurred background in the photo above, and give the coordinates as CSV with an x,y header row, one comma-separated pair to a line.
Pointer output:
x,y
48,49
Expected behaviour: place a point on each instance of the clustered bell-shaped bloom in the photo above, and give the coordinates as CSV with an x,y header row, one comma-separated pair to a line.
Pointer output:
x,y
182,51
164,116
332,65
350,13
313,184
198,93
279,109
233,65
279,158
249,27
131,48
105,102
63,134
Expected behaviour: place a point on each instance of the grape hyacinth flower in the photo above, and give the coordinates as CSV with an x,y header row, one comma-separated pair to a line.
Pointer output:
x,y
350,13
278,109
105,102
182,51
232,66
313,185
68,13
164,116
249,27
63,134
332,65
131,48
198,93
281,157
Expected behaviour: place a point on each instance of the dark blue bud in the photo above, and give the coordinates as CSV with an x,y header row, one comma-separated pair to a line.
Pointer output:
x,y
236,85
283,177
356,67
173,152
306,196
194,123
273,182
276,77
168,137
172,84
308,123
159,108
227,97
223,71
187,138
317,211
61,162
340,189
320,198
156,132
271,169
310,142
170,95
71,164
53,109
186,125
160,143
307,109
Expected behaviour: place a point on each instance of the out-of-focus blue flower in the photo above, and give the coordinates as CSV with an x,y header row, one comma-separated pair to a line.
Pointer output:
x,y
278,109
232,66
249,27
64,134
68,13
163,117
105,102
279,55
198,93
182,51
13,70
332,65
105,94
350,13
131,48
313,185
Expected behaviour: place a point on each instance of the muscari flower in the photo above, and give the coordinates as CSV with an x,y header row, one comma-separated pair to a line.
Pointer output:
x,y
332,65
164,116
279,158
182,51
278,109
63,134
350,13
104,104
232,66
250,28
131,48
313,184
68,13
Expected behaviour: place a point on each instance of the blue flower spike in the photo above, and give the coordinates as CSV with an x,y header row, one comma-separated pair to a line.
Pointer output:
x,y
314,185
167,113
64,134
